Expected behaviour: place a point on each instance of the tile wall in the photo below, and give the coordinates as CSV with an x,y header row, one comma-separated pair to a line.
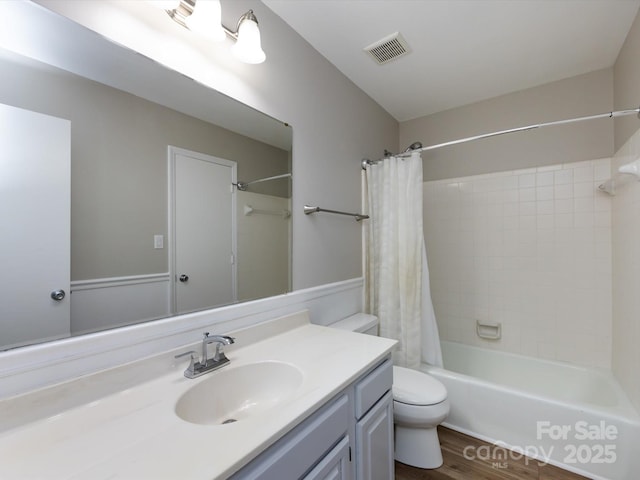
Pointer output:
x,y
530,249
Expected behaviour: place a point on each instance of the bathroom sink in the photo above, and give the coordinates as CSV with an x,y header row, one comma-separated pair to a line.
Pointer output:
x,y
236,393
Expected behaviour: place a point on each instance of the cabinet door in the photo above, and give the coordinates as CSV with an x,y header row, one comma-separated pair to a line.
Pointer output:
x,y
335,464
374,442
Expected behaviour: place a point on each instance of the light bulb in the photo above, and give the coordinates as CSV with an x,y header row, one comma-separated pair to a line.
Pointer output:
x,y
248,47
206,20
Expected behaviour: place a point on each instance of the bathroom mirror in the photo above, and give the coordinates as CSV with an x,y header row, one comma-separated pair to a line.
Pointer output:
x,y
143,138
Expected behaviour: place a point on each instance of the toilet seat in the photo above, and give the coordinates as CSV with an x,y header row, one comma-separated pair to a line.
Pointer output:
x,y
412,387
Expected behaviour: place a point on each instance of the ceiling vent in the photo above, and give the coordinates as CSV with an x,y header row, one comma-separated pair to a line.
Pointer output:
x,y
389,48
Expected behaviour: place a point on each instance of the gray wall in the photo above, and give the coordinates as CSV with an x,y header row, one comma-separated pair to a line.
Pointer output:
x,y
627,84
574,97
119,169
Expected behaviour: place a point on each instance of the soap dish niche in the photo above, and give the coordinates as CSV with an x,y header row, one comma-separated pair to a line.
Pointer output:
x,y
489,331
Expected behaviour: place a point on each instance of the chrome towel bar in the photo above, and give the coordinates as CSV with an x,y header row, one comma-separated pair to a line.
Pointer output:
x,y
308,209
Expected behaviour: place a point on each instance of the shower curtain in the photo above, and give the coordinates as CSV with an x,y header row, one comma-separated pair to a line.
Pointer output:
x,y
397,276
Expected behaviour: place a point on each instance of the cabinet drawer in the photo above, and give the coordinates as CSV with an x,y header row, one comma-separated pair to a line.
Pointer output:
x,y
371,388
300,450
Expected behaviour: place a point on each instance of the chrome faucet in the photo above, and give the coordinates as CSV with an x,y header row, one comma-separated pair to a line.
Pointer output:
x,y
220,341
205,365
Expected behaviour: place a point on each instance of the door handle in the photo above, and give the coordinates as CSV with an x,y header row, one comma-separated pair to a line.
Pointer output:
x,y
184,278
58,295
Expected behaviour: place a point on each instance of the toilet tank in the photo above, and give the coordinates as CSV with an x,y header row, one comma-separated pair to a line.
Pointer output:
x,y
360,322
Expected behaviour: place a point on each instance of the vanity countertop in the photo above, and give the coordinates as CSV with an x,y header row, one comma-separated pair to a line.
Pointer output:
x,y
121,424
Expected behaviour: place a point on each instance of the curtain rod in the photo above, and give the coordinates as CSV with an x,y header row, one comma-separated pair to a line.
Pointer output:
x,y
619,113
243,185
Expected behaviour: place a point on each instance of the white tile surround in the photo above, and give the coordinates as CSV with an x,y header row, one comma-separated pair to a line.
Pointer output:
x,y
530,249
626,281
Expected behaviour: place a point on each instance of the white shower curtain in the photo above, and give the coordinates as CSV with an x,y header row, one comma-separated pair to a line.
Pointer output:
x,y
397,276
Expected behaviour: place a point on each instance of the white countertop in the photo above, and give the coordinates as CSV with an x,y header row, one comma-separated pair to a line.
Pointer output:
x,y
121,423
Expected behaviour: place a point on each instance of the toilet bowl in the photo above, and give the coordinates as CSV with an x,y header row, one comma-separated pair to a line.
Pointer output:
x,y
420,404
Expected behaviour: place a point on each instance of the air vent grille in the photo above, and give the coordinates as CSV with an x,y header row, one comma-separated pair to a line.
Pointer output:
x,y
389,48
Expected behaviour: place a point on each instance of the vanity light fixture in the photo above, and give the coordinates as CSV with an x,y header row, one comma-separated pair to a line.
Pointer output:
x,y
204,17
206,20
248,47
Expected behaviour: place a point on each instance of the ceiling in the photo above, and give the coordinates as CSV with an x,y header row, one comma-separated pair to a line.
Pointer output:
x,y
461,51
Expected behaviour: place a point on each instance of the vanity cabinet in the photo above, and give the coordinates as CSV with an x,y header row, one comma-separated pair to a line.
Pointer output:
x,y
308,445
349,438
374,424
374,440
336,465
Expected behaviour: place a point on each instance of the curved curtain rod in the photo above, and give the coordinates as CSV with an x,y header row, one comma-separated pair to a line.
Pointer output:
x,y
243,185
619,113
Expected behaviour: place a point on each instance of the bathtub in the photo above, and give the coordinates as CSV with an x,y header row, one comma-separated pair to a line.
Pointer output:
x,y
576,418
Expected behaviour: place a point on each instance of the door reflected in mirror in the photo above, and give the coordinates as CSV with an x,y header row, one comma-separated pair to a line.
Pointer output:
x,y
203,230
154,172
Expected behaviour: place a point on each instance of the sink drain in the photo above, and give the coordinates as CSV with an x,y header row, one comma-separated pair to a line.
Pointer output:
x,y
229,420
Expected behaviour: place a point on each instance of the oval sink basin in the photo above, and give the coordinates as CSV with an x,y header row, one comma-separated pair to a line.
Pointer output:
x,y
233,394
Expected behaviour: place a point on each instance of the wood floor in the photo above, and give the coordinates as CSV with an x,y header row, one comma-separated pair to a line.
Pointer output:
x,y
457,467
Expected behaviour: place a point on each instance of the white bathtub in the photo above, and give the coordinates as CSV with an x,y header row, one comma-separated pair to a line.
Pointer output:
x,y
572,417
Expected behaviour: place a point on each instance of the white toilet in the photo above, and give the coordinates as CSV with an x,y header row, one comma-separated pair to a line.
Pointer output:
x,y
420,404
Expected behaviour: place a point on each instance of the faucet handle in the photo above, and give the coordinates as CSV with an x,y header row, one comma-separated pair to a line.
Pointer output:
x,y
194,359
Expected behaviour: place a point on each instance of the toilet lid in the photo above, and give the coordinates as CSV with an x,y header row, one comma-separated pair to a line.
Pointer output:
x,y
416,388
